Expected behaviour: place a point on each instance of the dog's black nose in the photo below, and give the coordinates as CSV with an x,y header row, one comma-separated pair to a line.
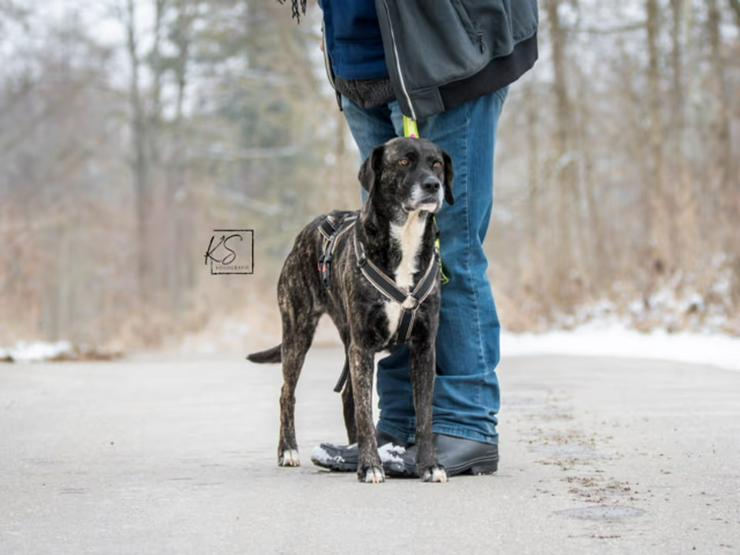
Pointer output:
x,y
430,185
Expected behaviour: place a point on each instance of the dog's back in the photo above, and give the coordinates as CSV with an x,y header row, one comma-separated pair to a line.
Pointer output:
x,y
300,282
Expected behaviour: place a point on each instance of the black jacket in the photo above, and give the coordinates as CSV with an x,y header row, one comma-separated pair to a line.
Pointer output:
x,y
441,53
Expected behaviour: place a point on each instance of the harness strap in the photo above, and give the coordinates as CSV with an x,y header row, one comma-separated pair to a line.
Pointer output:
x,y
327,227
419,294
332,231
409,301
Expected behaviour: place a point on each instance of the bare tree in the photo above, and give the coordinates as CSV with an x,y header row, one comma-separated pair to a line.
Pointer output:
x,y
735,5
727,177
658,222
139,163
684,229
563,164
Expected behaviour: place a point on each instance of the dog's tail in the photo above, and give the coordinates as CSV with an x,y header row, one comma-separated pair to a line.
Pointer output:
x,y
270,355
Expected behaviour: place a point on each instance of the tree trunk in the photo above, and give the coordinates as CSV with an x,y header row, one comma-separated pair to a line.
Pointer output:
x,y
591,236
179,230
735,5
139,162
729,201
684,225
564,167
658,225
533,194
157,68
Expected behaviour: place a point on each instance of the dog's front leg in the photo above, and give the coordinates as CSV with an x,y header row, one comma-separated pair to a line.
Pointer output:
x,y
422,380
369,467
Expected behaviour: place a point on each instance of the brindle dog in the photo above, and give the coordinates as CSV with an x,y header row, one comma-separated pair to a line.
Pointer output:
x,y
407,181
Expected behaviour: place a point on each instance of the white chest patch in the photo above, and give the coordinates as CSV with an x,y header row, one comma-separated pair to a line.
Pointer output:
x,y
408,239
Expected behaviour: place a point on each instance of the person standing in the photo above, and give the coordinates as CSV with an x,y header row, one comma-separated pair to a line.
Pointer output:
x,y
446,64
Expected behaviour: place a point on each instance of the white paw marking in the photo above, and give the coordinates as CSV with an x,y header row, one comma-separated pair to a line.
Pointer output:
x,y
374,475
435,474
290,458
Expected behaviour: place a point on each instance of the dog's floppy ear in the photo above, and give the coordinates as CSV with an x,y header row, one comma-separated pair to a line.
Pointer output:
x,y
371,169
449,174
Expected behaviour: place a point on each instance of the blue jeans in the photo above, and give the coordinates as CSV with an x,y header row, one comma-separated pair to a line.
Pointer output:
x,y
466,391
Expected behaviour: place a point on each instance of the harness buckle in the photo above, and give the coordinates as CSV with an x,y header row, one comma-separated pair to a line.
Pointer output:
x,y
410,302
325,269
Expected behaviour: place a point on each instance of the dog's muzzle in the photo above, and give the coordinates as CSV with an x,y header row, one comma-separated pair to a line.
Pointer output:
x,y
429,199
427,196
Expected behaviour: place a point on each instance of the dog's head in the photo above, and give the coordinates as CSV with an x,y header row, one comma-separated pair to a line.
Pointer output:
x,y
404,175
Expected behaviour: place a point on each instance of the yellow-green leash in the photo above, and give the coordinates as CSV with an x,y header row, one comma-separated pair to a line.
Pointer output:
x,y
411,130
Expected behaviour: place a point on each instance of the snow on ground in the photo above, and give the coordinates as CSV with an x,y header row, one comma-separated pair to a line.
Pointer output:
x,y
36,351
616,340
41,351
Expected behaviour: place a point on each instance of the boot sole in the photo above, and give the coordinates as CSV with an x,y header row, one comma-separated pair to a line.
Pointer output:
x,y
336,467
486,467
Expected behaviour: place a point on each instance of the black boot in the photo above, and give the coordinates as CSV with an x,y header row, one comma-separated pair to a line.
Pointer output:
x,y
455,454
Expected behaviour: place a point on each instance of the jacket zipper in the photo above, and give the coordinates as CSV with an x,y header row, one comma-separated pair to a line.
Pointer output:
x,y
398,63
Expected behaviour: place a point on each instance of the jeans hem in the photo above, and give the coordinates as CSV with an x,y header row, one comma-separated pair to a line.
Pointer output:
x,y
465,433
402,435
395,432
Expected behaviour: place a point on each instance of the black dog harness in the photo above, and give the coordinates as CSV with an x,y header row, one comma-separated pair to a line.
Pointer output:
x,y
410,301
332,231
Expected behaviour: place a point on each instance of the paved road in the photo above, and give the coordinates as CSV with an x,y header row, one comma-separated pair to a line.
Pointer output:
x,y
162,456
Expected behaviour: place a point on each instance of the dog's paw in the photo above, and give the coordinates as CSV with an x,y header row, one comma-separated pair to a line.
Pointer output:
x,y
289,457
373,475
435,474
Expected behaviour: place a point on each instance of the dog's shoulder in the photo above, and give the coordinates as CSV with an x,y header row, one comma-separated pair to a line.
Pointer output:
x,y
316,232
335,216
341,214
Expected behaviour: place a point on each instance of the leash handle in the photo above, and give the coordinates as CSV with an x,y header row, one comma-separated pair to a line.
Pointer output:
x,y
410,129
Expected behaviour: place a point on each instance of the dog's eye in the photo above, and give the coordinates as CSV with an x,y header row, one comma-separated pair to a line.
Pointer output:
x,y
403,162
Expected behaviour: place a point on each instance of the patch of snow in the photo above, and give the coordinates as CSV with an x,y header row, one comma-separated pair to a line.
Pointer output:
x,y
391,453
37,351
388,452
612,339
321,456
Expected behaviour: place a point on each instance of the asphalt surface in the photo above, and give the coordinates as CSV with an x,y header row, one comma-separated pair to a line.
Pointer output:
x,y
179,456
